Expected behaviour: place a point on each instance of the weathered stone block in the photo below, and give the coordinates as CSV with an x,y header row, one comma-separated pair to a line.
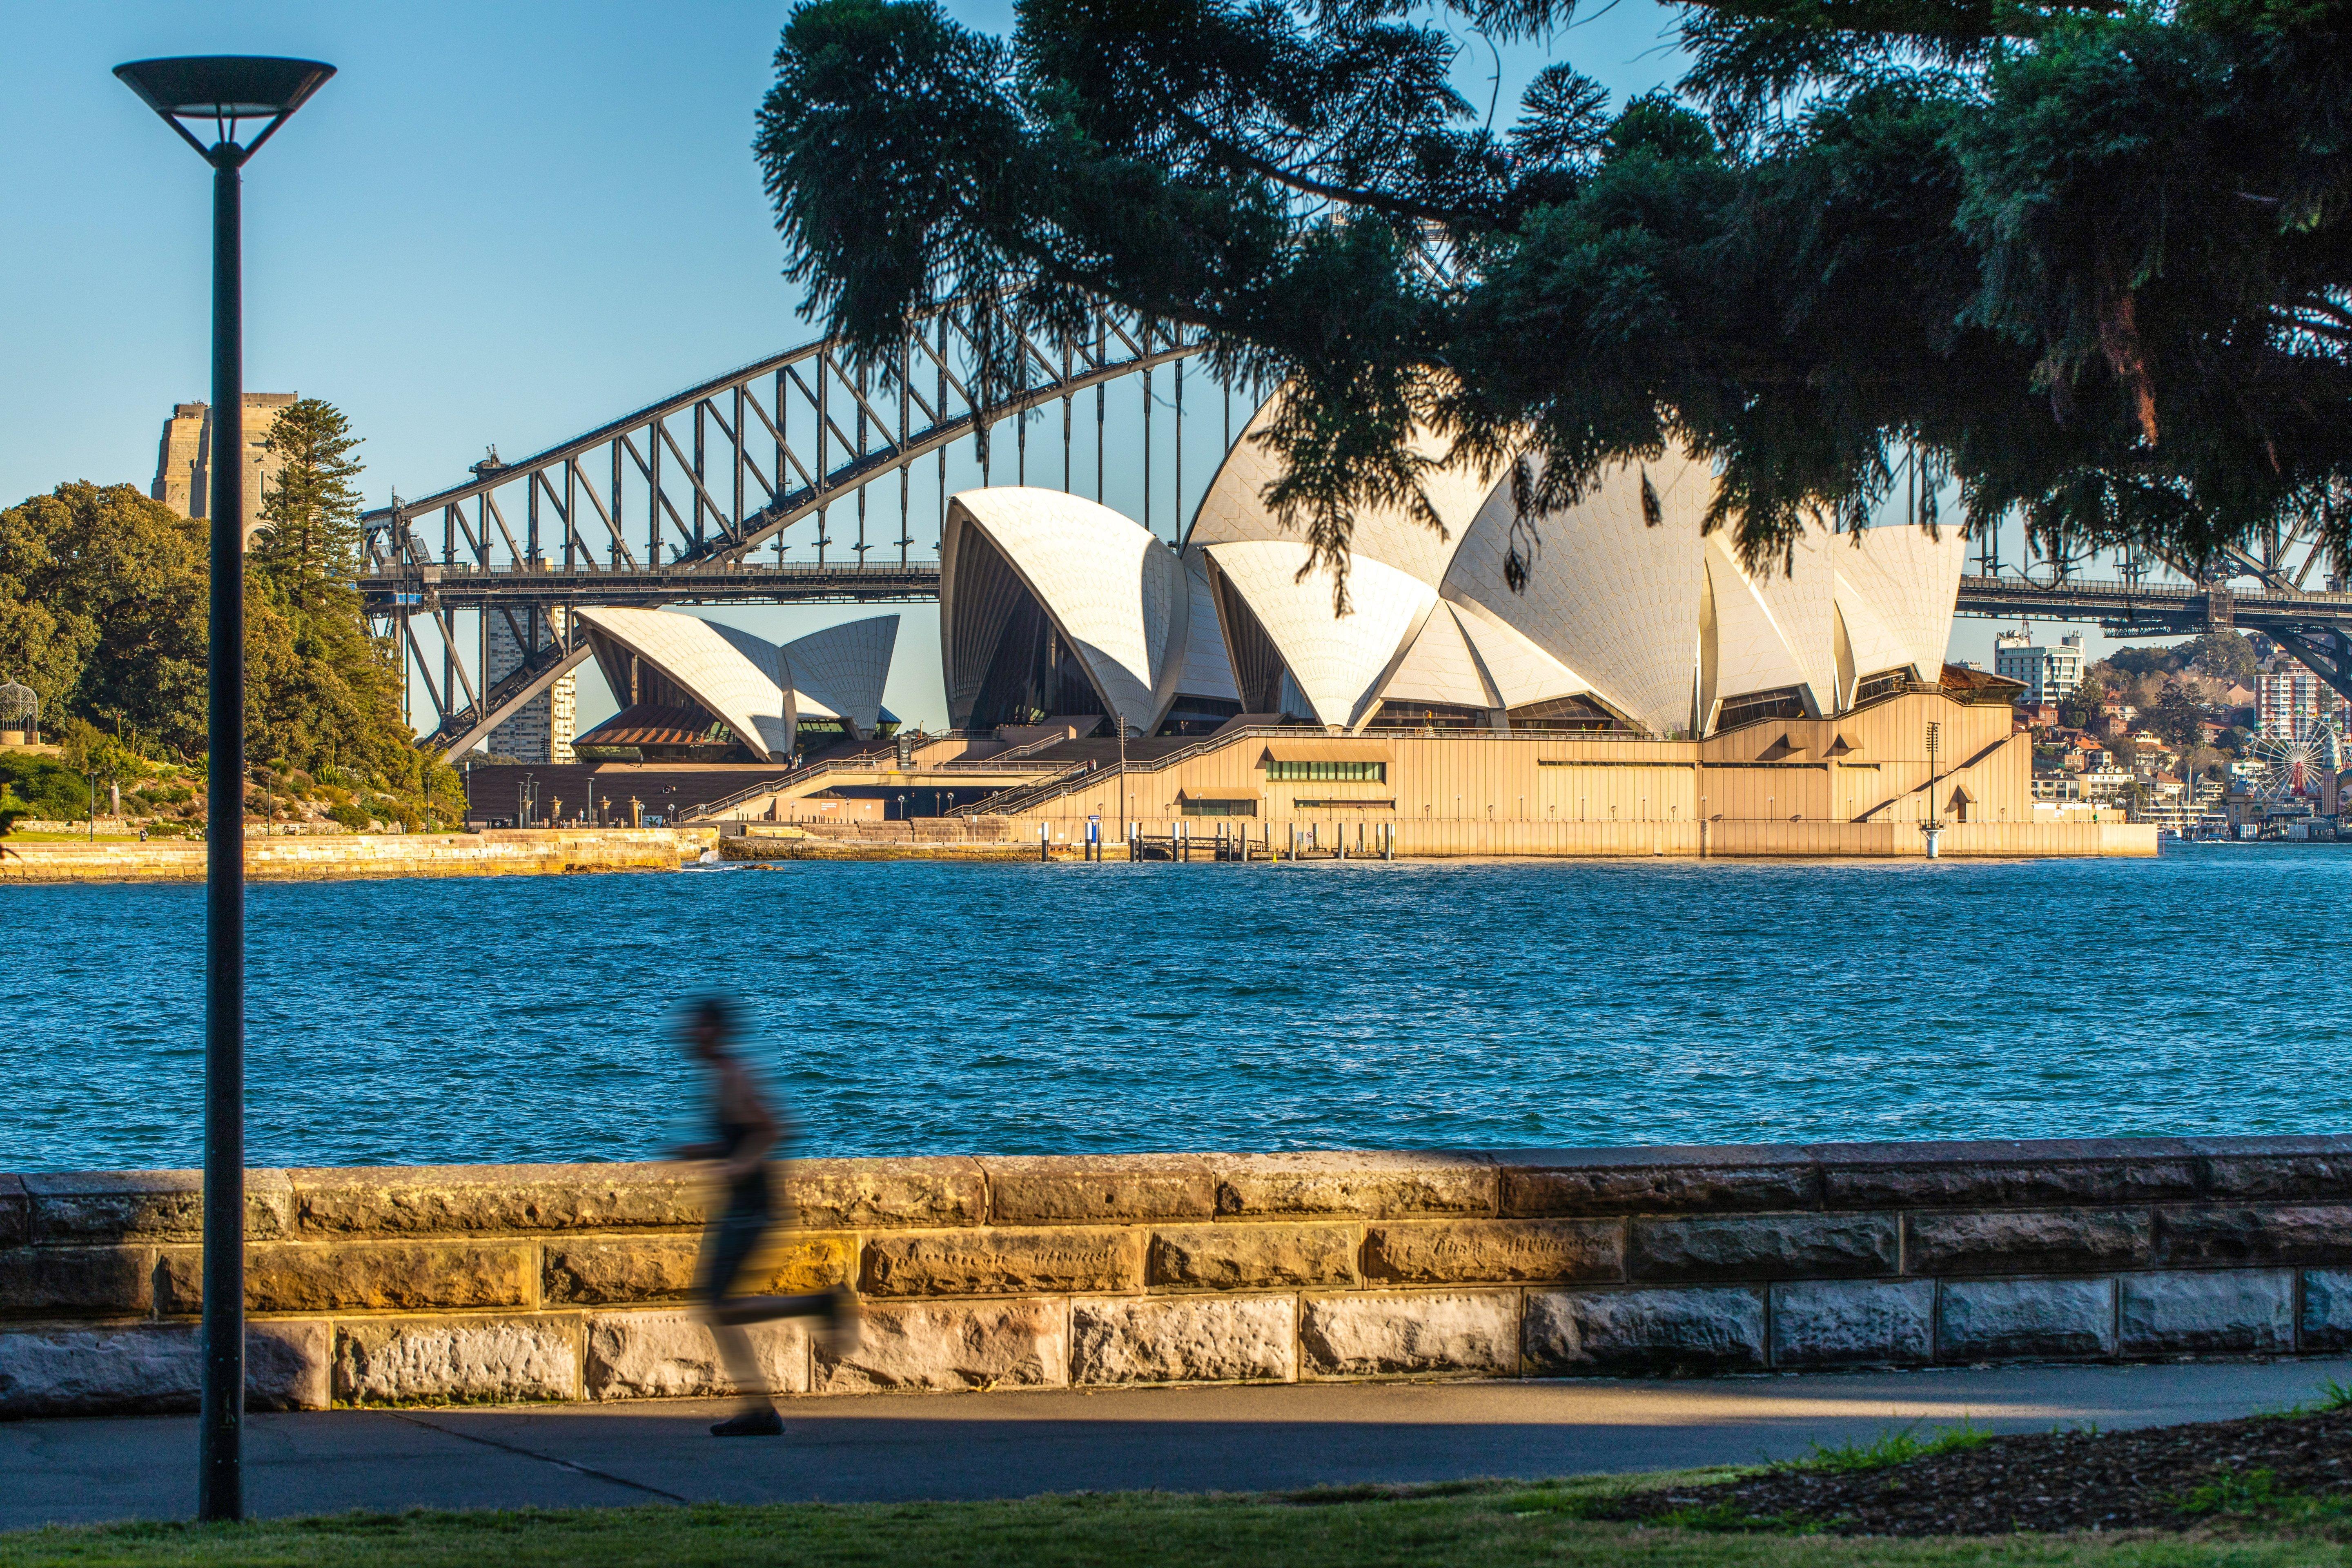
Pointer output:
x,y
865,1195
2006,1174
106,1371
1247,1256
2029,1241
1095,1189
2277,1168
382,1277
662,1268
673,1355
15,1212
1993,1319
1469,1332
1184,1339
1665,1180
1374,1186
1447,1252
947,1345
2255,1233
2326,1308
1765,1247
426,1199
994,1262
145,1205
1706,1329
456,1361
1849,1322
76,1281
2234,1311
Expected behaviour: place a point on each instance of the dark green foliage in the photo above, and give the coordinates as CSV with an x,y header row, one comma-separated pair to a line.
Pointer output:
x,y
2091,262
52,791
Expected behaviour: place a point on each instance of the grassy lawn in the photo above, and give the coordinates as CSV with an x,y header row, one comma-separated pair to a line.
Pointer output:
x,y
1472,1525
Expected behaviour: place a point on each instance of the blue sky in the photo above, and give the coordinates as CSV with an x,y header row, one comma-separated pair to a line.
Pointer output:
x,y
499,223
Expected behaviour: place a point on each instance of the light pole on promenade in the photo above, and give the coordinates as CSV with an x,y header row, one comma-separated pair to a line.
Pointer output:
x,y
220,91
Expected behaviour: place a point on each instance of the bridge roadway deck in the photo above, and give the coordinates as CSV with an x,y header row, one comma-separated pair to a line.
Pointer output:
x,y
887,1448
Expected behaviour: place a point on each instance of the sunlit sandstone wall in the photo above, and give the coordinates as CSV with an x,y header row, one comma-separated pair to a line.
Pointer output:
x,y
431,1284
296,857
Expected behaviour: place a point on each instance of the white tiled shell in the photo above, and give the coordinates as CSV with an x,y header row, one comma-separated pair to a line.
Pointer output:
x,y
1609,598
840,672
1797,591
730,672
1520,671
1115,591
1910,583
1753,649
1339,662
1208,668
1440,668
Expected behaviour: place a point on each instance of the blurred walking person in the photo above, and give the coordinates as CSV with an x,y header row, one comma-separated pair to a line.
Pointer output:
x,y
745,1134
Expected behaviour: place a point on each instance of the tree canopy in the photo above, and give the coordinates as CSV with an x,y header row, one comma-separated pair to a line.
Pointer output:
x,y
2088,261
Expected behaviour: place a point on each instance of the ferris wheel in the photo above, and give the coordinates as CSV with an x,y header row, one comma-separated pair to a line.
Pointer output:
x,y
2290,767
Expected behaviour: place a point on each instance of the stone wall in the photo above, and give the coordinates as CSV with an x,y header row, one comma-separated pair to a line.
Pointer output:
x,y
466,1283
318,857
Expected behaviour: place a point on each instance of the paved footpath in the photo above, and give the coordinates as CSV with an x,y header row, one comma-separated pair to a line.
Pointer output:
x,y
892,1447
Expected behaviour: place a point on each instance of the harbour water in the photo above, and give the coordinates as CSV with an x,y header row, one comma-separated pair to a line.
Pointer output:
x,y
907,1008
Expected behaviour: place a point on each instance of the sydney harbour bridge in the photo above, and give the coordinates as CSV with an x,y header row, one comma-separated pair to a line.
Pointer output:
x,y
689,501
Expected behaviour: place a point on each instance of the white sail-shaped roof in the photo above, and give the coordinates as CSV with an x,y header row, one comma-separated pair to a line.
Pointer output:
x,y
1115,592
732,673
1520,672
1910,583
1340,663
1748,648
1440,668
1208,667
839,672
1608,597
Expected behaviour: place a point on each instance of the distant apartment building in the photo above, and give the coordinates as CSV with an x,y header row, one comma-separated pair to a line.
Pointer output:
x,y
183,461
541,731
2291,701
2050,671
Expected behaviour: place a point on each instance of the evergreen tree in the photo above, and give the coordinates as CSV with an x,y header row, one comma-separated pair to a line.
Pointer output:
x,y
2090,261
310,537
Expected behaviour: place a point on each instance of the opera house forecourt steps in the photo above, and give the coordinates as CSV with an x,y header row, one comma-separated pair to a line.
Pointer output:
x,y
441,1284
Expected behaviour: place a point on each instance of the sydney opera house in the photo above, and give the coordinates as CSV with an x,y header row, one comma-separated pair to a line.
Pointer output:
x,y
1643,691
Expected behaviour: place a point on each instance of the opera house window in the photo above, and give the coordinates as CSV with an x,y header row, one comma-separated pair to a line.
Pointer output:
x,y
1327,773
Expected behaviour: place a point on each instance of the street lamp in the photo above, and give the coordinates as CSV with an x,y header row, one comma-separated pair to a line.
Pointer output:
x,y
222,91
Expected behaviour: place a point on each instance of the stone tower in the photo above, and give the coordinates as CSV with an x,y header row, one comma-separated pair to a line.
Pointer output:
x,y
183,462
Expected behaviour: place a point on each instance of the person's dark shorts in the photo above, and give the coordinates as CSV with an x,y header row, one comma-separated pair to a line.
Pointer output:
x,y
727,1246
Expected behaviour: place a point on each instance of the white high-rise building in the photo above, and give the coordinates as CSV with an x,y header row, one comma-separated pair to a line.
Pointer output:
x,y
2050,671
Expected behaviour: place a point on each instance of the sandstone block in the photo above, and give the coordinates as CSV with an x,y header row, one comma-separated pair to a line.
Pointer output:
x,y
865,1195
1856,1322
456,1361
1765,1247
2239,1311
2275,1169
2029,1241
1247,1257
1372,1185
106,1371
1471,1332
1095,1189
993,1262
382,1277
427,1199
673,1355
76,1281
2255,1233
1665,1180
1184,1339
1444,1252
1993,1319
15,1212
952,1345
2006,1174
145,1205
662,1268
2326,1308
1706,1329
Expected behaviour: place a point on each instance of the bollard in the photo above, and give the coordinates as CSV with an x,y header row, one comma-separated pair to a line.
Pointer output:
x,y
1043,850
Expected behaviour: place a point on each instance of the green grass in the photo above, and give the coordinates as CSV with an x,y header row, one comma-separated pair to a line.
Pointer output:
x,y
1892,1447
1481,1525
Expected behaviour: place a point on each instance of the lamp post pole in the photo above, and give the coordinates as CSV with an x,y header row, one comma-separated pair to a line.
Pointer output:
x,y
220,91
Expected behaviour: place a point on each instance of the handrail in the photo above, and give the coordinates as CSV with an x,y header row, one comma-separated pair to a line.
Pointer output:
x,y
864,761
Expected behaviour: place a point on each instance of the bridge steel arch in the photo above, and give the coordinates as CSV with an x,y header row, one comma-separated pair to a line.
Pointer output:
x,y
669,503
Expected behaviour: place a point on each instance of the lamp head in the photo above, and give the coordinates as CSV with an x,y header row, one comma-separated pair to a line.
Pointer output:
x,y
225,89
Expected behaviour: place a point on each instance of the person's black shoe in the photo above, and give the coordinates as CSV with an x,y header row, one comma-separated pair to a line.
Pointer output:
x,y
761,1423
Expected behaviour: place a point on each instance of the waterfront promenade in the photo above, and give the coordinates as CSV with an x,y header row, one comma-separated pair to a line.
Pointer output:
x,y
884,1448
